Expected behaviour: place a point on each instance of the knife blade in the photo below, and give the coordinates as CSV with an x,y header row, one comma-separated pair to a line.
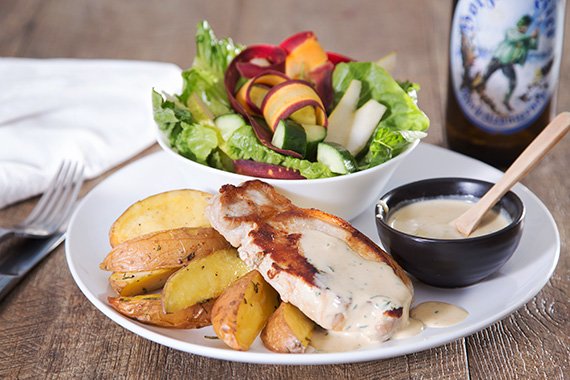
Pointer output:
x,y
23,256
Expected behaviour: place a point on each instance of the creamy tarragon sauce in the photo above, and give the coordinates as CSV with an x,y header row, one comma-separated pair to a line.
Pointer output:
x,y
431,218
412,328
365,289
431,314
427,314
438,314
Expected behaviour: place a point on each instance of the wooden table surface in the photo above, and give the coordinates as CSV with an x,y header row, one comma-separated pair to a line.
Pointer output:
x,y
48,329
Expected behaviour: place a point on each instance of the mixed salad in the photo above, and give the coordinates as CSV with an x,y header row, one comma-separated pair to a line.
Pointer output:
x,y
290,111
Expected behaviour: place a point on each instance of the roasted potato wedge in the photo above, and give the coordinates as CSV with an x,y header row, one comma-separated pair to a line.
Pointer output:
x,y
288,330
164,211
164,249
242,310
128,284
204,278
148,309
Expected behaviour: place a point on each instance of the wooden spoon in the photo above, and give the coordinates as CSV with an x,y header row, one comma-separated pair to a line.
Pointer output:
x,y
540,146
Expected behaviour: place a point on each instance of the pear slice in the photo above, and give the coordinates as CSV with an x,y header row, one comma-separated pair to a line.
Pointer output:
x,y
341,119
366,118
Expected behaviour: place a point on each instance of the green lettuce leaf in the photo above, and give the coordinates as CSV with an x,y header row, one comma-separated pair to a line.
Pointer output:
x,y
192,139
187,119
244,145
385,145
391,136
169,113
411,89
204,81
196,141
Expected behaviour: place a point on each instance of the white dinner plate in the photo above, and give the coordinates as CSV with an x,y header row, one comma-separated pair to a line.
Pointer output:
x,y
520,279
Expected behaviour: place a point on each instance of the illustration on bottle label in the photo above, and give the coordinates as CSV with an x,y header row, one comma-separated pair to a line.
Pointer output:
x,y
505,58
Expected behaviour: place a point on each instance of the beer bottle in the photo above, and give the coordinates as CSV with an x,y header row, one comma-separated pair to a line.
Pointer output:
x,y
503,73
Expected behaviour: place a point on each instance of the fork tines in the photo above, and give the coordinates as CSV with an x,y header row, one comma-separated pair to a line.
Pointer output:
x,y
56,204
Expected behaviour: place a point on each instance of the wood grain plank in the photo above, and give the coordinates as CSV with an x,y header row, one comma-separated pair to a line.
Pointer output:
x,y
18,20
147,30
49,330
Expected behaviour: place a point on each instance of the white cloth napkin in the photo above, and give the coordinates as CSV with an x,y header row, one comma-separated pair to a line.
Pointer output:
x,y
98,111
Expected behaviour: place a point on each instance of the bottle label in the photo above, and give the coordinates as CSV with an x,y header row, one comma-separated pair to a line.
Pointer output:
x,y
505,59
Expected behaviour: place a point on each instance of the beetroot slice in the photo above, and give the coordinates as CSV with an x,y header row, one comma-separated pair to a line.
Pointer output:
x,y
263,170
322,79
337,58
290,43
274,54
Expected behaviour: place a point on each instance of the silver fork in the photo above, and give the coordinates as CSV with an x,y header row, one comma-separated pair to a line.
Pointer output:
x,y
54,206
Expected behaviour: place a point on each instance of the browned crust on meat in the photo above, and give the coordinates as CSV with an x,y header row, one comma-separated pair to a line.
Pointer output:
x,y
284,251
394,313
230,195
359,242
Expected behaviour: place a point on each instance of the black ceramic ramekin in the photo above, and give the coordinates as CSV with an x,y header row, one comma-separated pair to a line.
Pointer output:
x,y
449,263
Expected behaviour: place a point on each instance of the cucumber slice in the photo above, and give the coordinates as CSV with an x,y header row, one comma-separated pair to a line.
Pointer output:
x,y
291,136
336,158
315,134
227,124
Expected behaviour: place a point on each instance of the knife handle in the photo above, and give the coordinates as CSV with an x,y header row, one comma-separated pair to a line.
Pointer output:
x,y
7,283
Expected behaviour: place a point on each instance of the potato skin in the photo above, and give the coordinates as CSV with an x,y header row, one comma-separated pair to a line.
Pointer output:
x,y
242,310
148,309
204,278
288,330
163,211
128,284
163,249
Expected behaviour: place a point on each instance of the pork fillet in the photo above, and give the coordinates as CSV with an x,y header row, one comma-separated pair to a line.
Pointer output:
x,y
318,262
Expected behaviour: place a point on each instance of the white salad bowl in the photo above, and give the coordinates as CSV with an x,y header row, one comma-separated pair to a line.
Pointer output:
x,y
346,196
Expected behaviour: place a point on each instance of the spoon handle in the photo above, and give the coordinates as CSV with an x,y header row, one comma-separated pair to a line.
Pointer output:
x,y
528,159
